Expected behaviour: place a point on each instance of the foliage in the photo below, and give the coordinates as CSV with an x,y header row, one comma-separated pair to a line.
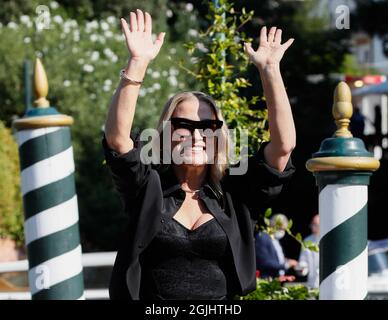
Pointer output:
x,y
11,210
218,63
82,59
274,289
82,75
317,50
268,228
81,10
350,66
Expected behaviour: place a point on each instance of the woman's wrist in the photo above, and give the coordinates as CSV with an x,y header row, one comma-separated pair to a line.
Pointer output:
x,y
269,68
139,61
136,69
271,71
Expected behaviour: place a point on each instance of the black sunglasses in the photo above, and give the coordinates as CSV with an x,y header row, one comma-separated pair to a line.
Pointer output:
x,y
191,125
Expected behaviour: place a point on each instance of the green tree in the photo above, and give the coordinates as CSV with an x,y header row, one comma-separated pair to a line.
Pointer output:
x,y
219,64
11,210
82,58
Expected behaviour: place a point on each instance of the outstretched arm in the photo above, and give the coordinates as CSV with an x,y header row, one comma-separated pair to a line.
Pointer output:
x,y
281,124
122,108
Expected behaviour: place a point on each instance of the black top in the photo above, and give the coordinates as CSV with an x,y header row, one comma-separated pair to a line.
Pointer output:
x,y
152,194
180,263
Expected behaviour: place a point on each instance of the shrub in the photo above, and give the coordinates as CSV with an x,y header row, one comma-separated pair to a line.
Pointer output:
x,y
11,210
82,59
274,289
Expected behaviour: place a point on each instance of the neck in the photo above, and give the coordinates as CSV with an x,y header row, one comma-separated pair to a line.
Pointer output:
x,y
190,177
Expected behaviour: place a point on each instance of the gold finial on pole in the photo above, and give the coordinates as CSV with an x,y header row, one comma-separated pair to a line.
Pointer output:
x,y
40,85
342,110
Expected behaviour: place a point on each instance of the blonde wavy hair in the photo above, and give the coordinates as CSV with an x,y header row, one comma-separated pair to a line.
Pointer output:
x,y
217,170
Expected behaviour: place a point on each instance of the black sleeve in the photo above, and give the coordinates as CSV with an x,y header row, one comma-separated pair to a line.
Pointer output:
x,y
261,183
129,173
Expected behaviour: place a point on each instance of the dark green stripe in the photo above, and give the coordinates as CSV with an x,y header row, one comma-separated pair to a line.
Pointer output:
x,y
44,147
53,245
342,244
342,147
48,196
38,112
342,177
70,289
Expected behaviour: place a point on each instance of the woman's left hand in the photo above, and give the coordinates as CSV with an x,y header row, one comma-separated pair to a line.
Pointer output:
x,y
270,50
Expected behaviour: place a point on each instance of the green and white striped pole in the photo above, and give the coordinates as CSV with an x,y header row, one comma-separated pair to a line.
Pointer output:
x,y
342,168
49,198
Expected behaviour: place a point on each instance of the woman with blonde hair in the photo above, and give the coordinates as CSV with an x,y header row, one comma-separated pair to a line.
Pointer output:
x,y
190,233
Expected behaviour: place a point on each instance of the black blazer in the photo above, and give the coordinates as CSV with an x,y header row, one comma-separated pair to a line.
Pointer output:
x,y
150,194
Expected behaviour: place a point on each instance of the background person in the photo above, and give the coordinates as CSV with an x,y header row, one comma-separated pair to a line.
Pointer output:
x,y
309,260
270,259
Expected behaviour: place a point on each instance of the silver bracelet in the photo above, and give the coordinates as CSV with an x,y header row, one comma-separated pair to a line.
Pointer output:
x,y
124,76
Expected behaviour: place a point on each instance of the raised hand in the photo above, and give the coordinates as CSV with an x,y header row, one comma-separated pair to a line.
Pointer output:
x,y
138,35
270,50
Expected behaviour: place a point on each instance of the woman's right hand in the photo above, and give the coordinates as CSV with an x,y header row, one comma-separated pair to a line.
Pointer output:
x,y
138,35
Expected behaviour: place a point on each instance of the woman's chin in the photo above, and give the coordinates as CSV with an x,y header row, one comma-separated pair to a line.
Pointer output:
x,y
195,160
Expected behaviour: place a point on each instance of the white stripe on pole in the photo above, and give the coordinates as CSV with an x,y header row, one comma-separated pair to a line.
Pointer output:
x,y
25,135
348,282
91,294
51,220
339,202
55,270
92,259
47,171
